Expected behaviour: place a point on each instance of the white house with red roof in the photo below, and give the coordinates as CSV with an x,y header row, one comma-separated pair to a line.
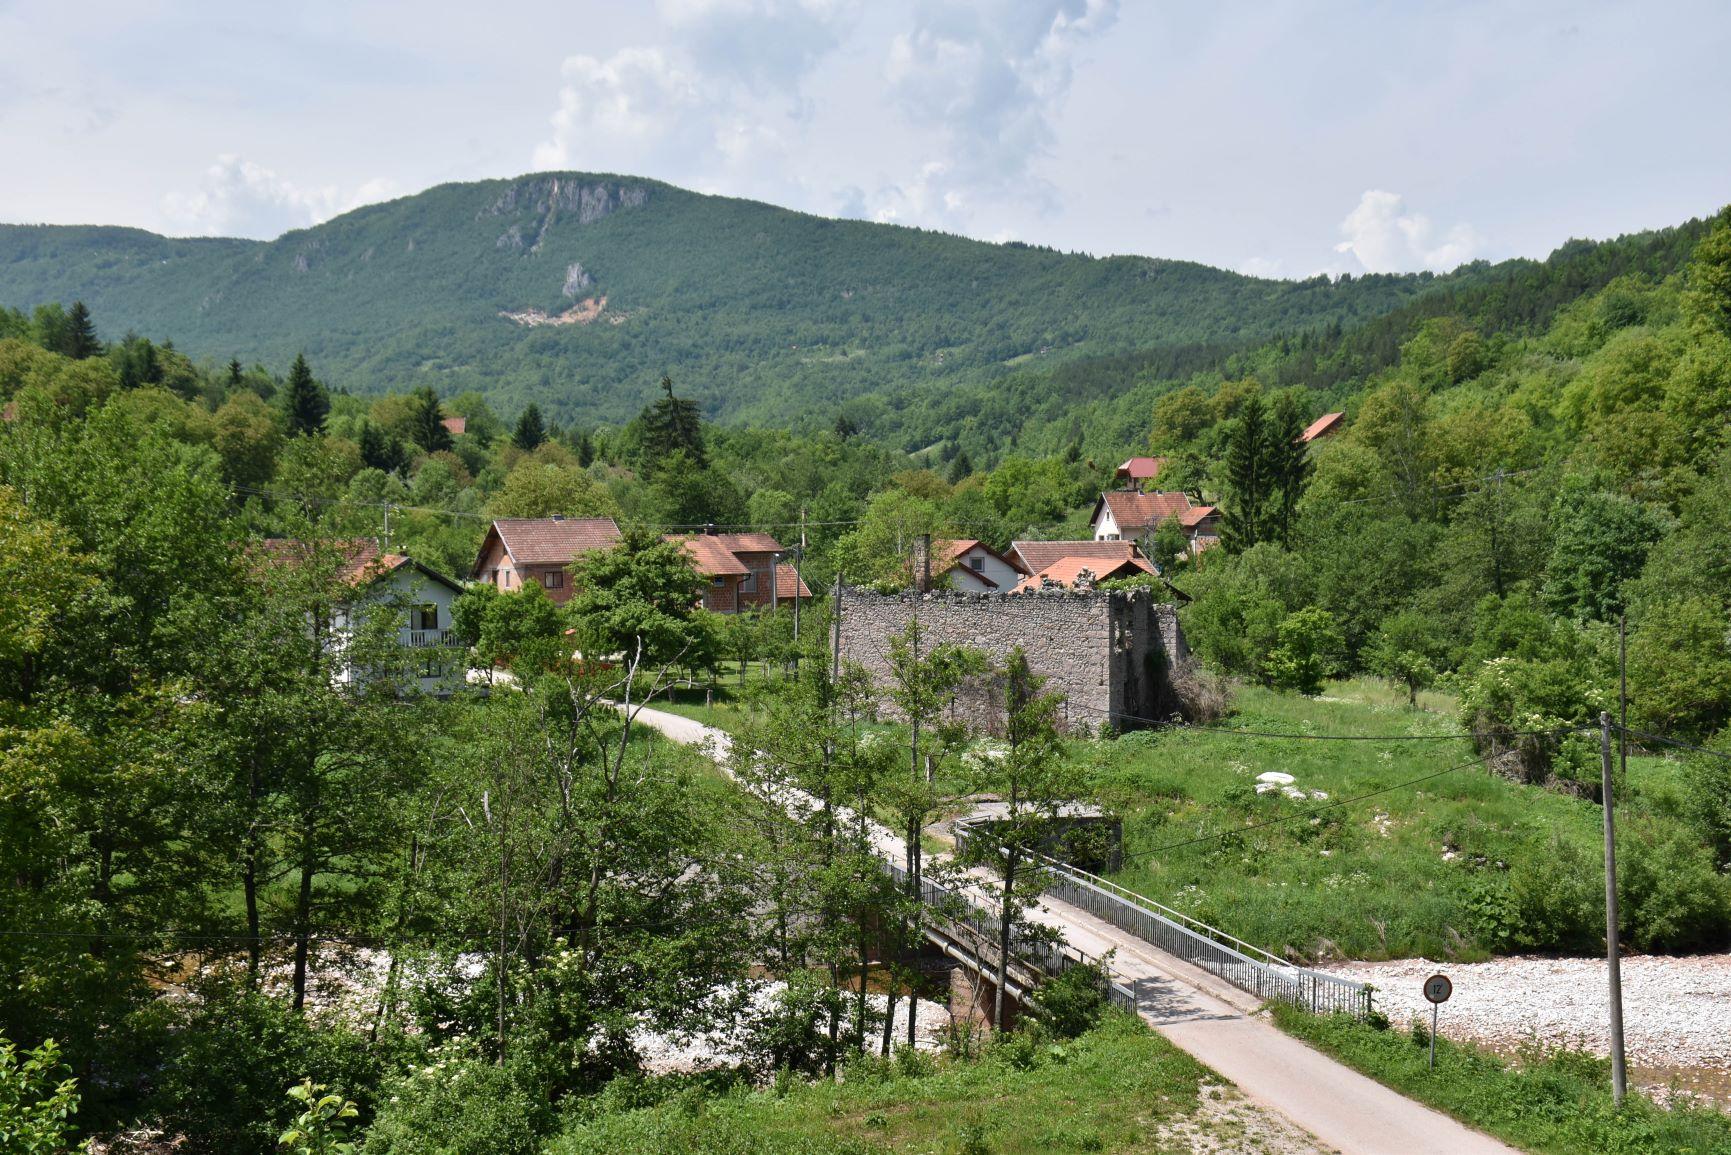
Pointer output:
x,y
397,582
971,565
1125,515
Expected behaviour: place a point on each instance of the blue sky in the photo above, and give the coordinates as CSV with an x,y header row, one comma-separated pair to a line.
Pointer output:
x,y
1278,138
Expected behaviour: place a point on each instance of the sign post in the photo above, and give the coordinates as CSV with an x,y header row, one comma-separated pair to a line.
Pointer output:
x,y
1437,989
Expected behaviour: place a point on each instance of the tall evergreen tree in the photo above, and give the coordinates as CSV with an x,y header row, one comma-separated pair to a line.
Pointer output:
x,y
531,431
1248,478
235,373
427,421
672,424
79,339
304,400
1289,466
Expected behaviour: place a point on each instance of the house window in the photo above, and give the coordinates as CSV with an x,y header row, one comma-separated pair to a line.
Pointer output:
x,y
553,579
424,617
719,582
977,564
748,583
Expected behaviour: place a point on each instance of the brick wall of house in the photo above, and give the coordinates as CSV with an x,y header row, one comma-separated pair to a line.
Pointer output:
x,y
723,598
1107,653
762,567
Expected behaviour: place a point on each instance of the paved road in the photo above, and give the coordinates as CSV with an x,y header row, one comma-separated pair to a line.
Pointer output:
x,y
1216,1023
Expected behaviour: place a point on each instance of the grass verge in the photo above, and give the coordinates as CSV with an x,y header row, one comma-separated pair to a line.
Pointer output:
x,y
1545,1101
1113,1089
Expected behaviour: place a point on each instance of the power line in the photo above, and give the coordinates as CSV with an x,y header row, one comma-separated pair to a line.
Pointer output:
x,y
1677,742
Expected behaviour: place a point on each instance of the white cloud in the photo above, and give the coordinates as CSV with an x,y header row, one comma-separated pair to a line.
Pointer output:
x,y
987,79
697,104
1265,267
238,197
1385,238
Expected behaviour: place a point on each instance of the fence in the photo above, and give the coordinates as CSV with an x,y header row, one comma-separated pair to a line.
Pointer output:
x,y
978,939
1246,967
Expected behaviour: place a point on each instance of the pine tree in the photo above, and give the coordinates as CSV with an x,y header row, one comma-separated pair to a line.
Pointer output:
x,y
671,425
1248,480
531,432
304,400
235,373
962,467
1290,466
79,340
427,421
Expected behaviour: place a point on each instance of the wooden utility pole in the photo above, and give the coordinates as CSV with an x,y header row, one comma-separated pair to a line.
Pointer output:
x,y
1619,1078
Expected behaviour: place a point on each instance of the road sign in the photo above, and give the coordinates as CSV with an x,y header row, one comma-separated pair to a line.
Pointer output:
x,y
1437,989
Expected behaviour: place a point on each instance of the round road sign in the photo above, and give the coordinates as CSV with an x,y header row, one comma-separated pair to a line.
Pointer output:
x,y
1437,988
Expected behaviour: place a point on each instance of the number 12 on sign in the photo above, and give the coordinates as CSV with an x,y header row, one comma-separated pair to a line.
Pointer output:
x,y
1437,989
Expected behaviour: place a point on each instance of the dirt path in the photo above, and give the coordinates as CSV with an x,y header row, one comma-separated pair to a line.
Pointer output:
x,y
1217,1024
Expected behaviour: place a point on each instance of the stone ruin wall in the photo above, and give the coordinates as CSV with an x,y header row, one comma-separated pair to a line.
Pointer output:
x,y
1108,653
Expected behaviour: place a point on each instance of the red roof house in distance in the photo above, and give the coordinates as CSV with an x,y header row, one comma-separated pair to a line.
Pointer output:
x,y
1139,470
1124,515
1066,571
1034,556
743,571
1325,426
456,426
970,564
520,550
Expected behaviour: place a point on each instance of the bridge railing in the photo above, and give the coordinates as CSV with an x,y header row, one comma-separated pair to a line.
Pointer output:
x,y
1046,957
1247,967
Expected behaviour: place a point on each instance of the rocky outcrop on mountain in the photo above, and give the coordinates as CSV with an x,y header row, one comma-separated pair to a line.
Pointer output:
x,y
576,280
547,196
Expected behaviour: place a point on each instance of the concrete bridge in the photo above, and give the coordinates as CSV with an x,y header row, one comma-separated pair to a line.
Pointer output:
x,y
1203,1014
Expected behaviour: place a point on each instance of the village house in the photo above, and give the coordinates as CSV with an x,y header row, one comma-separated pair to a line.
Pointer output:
x,y
744,571
972,565
1325,426
1125,515
521,550
1034,556
1137,472
1066,572
398,584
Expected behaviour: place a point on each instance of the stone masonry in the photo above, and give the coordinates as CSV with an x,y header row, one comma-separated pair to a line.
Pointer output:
x,y
1108,653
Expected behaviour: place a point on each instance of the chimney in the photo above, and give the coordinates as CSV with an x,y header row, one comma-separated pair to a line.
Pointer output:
x,y
709,529
923,563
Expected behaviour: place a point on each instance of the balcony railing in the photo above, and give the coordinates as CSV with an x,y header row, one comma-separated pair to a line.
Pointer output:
x,y
419,639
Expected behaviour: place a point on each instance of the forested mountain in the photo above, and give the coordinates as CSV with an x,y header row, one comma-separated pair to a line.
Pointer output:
x,y
579,292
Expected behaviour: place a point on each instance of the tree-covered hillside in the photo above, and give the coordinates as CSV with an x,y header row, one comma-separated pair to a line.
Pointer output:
x,y
759,312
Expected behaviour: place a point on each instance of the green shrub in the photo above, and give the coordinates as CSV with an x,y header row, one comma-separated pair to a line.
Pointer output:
x,y
1072,1003
222,1085
460,1103
37,1100
1671,897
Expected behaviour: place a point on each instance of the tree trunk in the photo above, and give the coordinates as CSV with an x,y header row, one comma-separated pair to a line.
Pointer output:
x,y
1005,917
303,927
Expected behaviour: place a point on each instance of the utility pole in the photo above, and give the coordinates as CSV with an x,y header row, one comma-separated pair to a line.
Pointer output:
x,y
1619,1078
1623,698
386,543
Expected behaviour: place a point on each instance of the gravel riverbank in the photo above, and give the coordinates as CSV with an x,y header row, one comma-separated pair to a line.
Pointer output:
x,y
1676,1011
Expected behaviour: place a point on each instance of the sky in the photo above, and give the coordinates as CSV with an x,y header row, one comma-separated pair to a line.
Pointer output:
x,y
1279,139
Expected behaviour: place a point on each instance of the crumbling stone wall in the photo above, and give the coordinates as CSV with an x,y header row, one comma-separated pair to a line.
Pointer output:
x,y
1108,653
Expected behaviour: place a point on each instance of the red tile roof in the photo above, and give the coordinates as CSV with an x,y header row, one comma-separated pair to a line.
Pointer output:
x,y
747,542
1195,515
788,584
1141,468
1035,556
1064,571
550,540
362,561
711,558
1135,512
456,425
1322,426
